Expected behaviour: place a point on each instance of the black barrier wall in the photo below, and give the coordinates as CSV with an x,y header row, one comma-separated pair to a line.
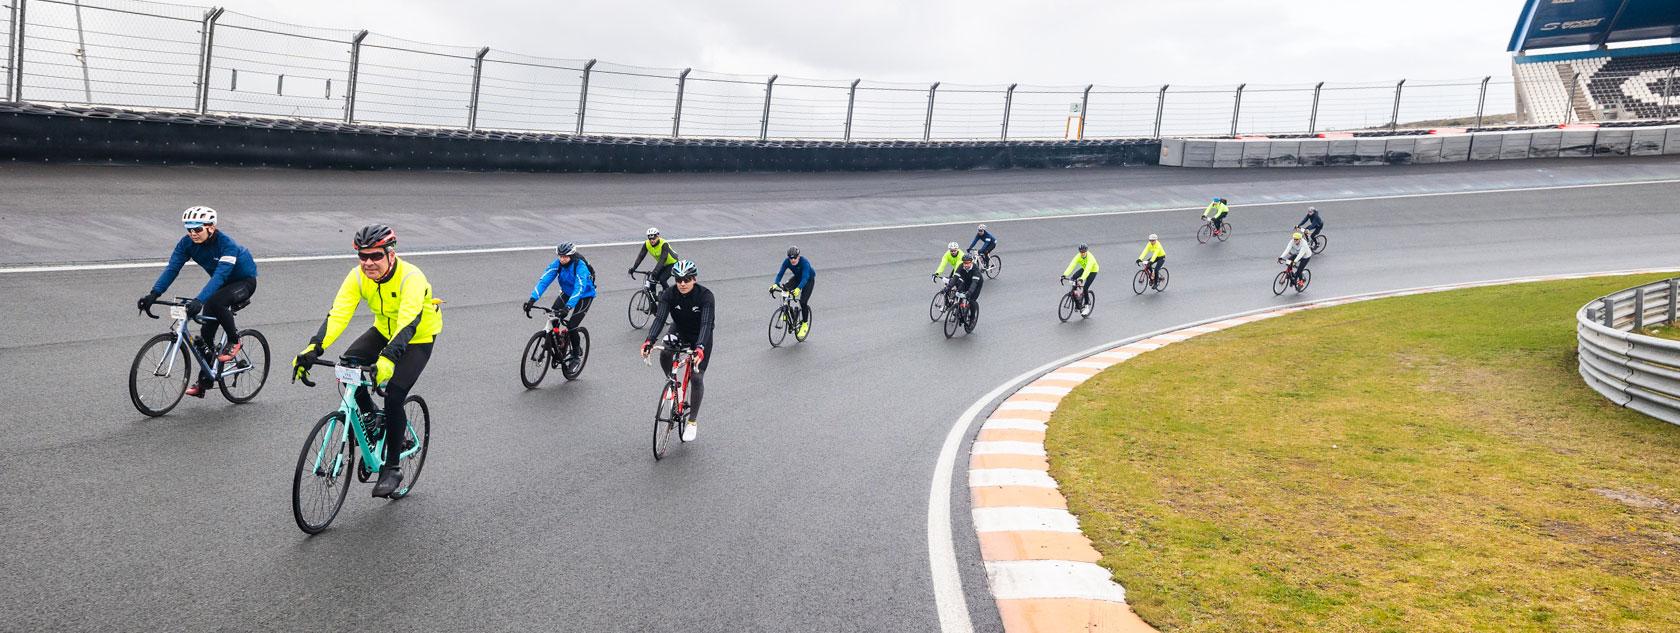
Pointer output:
x,y
30,132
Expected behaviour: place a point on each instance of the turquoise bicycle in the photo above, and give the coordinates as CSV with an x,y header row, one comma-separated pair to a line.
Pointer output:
x,y
330,454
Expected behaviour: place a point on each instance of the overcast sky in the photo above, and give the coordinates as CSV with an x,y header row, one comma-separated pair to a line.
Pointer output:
x,y
1115,42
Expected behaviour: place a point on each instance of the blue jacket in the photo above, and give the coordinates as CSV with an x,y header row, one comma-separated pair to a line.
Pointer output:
x,y
575,281
804,272
220,256
982,237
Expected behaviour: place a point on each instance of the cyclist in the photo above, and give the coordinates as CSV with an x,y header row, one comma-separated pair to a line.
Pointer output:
x,y
1297,251
406,321
663,257
233,279
953,258
1312,223
577,290
1216,211
1153,255
968,279
984,237
800,283
1083,267
692,312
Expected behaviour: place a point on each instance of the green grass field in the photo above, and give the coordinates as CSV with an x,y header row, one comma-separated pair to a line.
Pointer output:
x,y
1423,463
1666,330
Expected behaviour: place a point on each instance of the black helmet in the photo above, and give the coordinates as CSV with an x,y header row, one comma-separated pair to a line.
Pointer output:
x,y
375,236
793,251
1083,248
968,257
566,248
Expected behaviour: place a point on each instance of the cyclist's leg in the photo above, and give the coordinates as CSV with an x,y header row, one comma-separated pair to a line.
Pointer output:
x,y
220,306
661,272
575,319
1158,263
1218,221
407,371
1090,280
697,386
805,298
666,357
365,350
986,249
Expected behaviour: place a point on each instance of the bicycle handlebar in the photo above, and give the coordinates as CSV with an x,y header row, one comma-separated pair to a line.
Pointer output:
x,y
179,301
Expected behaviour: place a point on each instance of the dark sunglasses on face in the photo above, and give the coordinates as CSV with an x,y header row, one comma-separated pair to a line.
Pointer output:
x,y
371,257
195,229
685,280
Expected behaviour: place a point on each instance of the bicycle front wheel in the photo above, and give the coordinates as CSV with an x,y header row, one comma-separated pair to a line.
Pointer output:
x,y
952,322
1161,279
533,364
973,318
159,375
1306,280
1281,283
1202,234
572,365
245,376
1319,242
1064,310
1225,231
994,266
640,310
1140,281
1090,305
323,474
780,323
664,421
416,440
936,308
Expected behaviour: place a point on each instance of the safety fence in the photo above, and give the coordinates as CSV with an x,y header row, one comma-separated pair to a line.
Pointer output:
x,y
150,55
1631,369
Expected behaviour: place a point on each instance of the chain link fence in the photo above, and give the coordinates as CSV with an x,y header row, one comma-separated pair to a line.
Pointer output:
x,y
151,55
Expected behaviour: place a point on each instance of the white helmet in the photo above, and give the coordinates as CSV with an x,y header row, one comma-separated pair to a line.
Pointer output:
x,y
953,246
981,227
1153,237
652,231
198,216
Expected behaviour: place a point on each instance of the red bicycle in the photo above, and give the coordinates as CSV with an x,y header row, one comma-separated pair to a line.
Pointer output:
x,y
672,414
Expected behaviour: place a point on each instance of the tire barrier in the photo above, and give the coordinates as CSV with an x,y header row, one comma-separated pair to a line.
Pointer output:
x,y
1631,369
1419,149
32,132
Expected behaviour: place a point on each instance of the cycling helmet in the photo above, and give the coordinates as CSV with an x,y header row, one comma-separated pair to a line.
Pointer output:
x,y
566,248
1083,248
1296,236
684,268
1154,238
1312,210
198,216
952,246
968,257
375,236
981,227
653,231
1224,201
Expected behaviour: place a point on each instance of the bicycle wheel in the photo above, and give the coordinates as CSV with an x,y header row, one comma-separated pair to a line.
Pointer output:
x,y
1090,305
1161,279
1064,309
640,310
1225,231
1319,242
572,366
323,474
973,318
1202,234
1140,281
251,363
158,377
803,332
1281,283
664,420
417,438
534,362
1306,280
780,323
936,308
994,266
951,322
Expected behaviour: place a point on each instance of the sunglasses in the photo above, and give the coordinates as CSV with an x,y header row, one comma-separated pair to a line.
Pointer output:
x,y
793,257
195,229
685,280
371,257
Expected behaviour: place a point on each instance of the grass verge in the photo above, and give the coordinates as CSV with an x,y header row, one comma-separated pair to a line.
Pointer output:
x,y
1423,463
1669,331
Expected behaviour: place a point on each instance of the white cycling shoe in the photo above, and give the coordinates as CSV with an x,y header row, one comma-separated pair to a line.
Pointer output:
x,y
690,430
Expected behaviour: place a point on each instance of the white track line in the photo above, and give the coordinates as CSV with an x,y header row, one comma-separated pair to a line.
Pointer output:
x,y
859,229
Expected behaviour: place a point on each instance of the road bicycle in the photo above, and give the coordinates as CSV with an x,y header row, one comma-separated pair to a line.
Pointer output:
x,y
164,365
992,264
1076,299
1147,278
330,455
1288,278
941,299
550,347
788,317
671,417
962,314
1318,241
1207,231
644,302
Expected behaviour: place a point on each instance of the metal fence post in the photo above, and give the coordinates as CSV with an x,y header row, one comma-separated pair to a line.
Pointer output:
x,y
1482,100
206,46
851,100
1569,103
478,73
1668,89
1673,299
927,124
1236,109
82,55
1160,107
1084,109
11,44
676,119
1609,312
14,81
583,94
1008,103
355,71
1312,119
764,123
1639,308
1394,119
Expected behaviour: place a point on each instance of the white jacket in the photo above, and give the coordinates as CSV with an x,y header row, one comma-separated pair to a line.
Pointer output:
x,y
1298,251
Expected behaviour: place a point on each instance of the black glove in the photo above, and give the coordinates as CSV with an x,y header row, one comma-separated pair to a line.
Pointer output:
x,y
194,307
631,272
146,301
529,303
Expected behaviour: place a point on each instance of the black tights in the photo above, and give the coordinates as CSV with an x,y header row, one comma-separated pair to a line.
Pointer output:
x,y
413,361
220,307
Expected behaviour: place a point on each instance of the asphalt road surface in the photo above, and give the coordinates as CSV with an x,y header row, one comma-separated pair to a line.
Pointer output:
x,y
803,504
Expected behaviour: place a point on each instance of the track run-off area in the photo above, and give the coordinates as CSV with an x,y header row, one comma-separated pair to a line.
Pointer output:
x,y
805,503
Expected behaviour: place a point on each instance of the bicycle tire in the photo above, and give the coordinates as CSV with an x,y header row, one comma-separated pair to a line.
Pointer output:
x,y
418,432
936,308
780,323
973,319
259,368
534,362
1161,279
994,266
1140,282
951,323
1280,283
1225,231
1064,308
664,421
640,310
1306,280
337,461
161,386
1319,242
572,369
1090,305
1202,234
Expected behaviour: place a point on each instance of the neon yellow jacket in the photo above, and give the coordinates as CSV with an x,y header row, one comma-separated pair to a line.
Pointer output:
x,y
948,260
1216,210
402,307
1152,248
1086,260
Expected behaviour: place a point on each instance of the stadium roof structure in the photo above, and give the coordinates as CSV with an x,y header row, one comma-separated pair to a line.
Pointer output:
x,y
1593,24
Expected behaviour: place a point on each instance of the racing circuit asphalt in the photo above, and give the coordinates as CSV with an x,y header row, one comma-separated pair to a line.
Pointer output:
x,y
803,504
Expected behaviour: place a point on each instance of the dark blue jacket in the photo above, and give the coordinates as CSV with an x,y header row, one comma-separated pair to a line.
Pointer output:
x,y
575,281
220,256
804,272
982,237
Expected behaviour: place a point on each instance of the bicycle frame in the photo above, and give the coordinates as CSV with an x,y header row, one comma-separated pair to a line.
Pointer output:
x,y
166,365
372,456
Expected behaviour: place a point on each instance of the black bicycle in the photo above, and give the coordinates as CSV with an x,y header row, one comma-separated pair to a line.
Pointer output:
x,y
164,366
1318,241
1147,278
962,314
551,347
788,317
1288,278
644,302
941,300
1077,299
